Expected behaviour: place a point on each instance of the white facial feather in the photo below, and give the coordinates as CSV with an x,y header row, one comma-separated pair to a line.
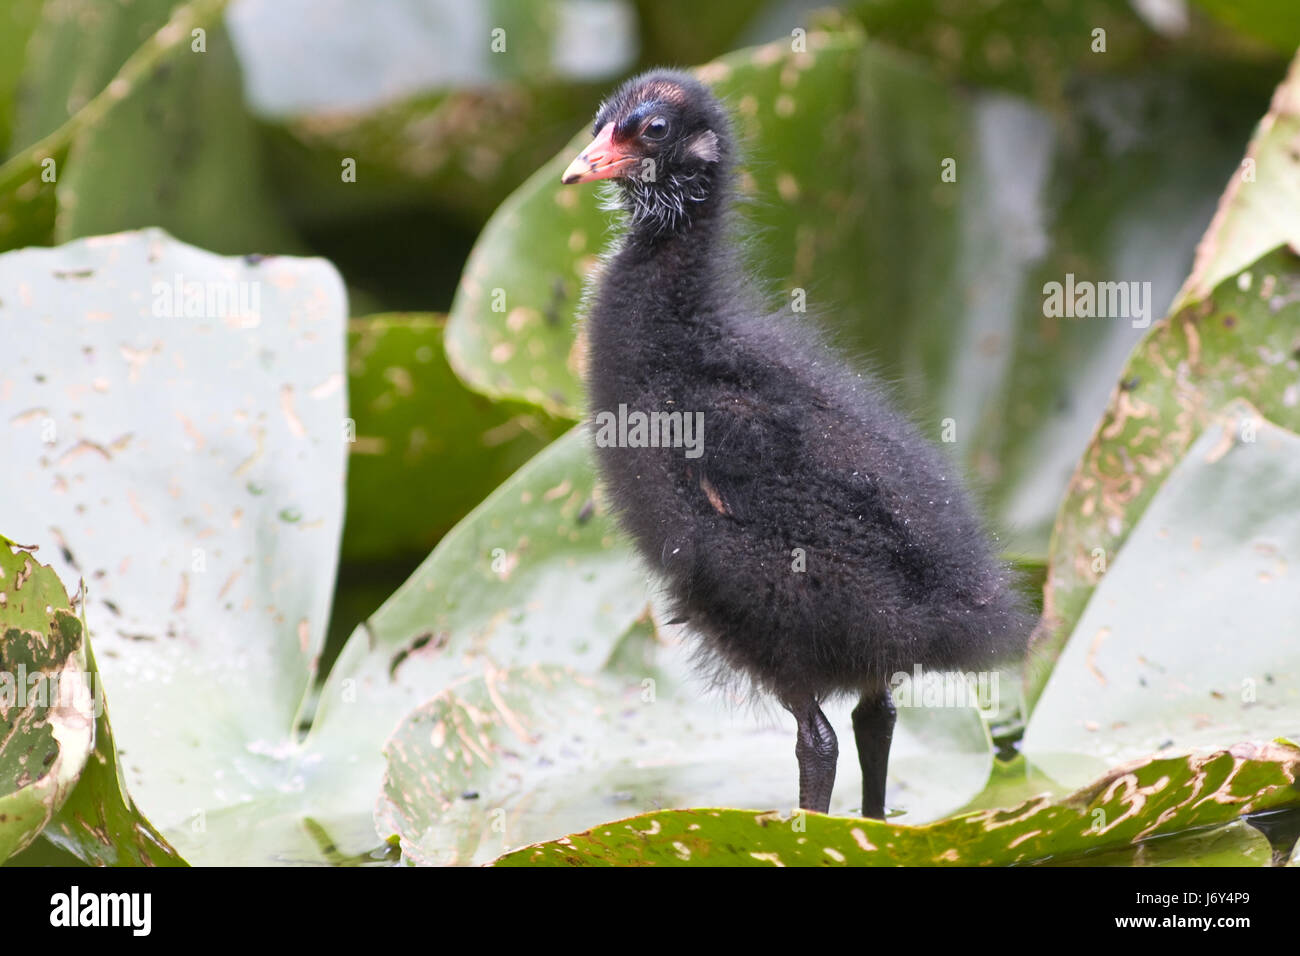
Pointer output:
x,y
663,203
704,147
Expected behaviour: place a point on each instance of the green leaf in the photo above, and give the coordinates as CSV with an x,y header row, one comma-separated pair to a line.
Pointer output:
x,y
534,574
17,21
531,573
29,178
99,823
426,448
1236,340
46,706
1146,799
65,70
179,152
1025,46
1274,22
1185,643
537,572
27,207
673,31
88,812
500,760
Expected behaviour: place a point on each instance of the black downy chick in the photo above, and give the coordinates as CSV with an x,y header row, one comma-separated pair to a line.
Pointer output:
x,y
799,456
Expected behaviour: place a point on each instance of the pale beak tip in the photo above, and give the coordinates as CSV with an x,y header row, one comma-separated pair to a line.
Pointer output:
x,y
575,171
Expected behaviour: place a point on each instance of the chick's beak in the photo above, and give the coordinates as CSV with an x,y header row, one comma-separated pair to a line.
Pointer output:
x,y
602,159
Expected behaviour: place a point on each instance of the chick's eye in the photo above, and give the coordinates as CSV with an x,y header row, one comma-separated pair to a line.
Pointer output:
x,y
656,129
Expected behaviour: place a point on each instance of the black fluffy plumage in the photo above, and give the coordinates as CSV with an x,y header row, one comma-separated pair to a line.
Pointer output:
x,y
800,454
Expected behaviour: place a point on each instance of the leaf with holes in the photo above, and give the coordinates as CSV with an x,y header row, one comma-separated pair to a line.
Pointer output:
x,y
530,753
46,698
97,822
1150,798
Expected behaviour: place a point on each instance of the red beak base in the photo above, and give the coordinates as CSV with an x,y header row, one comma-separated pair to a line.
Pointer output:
x,y
600,160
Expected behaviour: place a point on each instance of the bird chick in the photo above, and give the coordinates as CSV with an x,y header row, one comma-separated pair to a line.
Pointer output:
x,y
814,540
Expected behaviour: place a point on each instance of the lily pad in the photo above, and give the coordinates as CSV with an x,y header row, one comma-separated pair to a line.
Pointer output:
x,y
178,440
532,574
1192,637
1130,804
